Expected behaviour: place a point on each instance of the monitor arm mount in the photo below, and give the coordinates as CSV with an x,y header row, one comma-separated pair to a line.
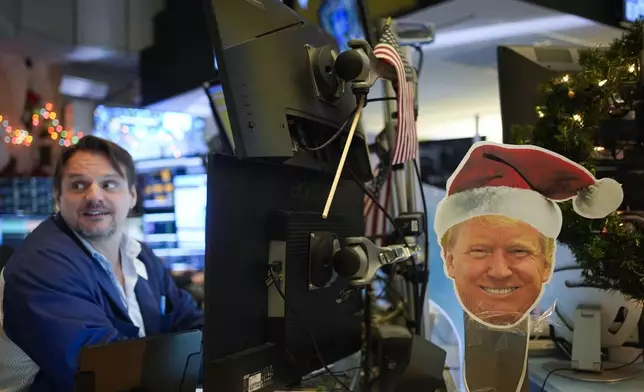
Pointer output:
x,y
360,259
386,345
358,66
362,68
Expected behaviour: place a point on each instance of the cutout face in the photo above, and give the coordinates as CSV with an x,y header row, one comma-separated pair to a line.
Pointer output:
x,y
499,266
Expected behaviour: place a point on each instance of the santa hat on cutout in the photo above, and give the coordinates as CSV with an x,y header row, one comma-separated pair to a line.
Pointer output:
x,y
524,183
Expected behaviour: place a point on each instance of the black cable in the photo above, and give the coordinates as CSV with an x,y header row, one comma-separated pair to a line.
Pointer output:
x,y
185,370
381,99
624,365
335,135
423,287
399,231
314,341
553,371
338,373
377,204
550,373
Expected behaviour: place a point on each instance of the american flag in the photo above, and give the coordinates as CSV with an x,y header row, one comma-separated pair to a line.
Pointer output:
x,y
376,222
387,50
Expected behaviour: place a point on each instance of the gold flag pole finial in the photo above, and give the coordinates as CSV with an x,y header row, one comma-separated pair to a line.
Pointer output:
x,y
388,22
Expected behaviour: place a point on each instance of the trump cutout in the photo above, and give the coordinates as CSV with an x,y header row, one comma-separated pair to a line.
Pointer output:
x,y
499,222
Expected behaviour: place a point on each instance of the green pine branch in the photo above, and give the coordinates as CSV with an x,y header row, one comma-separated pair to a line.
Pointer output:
x,y
611,255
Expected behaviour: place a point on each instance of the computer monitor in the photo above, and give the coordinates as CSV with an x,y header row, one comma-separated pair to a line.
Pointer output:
x,y
160,363
149,134
341,19
632,10
439,159
522,71
169,220
280,85
261,214
224,141
190,198
14,228
27,196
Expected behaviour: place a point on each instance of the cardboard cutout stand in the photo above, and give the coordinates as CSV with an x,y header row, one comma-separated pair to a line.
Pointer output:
x,y
495,360
497,227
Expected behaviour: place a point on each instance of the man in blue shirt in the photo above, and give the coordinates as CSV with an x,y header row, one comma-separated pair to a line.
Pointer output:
x,y
79,279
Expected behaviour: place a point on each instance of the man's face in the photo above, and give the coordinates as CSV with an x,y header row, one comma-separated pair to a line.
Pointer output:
x,y
94,199
498,270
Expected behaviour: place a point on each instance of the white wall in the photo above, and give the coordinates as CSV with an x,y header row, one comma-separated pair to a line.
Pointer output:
x,y
489,125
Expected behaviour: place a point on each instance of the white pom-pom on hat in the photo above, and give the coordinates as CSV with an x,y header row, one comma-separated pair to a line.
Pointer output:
x,y
600,199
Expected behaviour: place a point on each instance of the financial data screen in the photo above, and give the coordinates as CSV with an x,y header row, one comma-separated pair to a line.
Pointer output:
x,y
27,196
174,198
190,195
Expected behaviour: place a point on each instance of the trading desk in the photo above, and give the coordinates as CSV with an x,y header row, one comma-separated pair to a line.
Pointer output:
x,y
558,383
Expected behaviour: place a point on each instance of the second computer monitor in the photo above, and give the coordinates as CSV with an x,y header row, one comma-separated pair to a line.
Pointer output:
x,y
260,215
282,94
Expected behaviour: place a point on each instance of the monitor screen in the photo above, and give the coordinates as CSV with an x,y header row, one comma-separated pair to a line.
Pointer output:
x,y
14,228
216,96
155,180
190,194
170,226
148,134
341,19
28,196
633,10
440,158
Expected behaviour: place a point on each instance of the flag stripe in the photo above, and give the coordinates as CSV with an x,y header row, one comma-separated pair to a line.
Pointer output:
x,y
406,146
376,222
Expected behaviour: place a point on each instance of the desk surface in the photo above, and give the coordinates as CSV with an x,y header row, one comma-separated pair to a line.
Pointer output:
x,y
558,383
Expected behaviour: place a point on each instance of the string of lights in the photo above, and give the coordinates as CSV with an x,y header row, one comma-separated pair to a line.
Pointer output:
x,y
44,118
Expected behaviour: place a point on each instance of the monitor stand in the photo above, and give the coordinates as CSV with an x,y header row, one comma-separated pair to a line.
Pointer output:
x,y
586,363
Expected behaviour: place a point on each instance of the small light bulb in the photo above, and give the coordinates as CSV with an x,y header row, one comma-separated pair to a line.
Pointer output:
x,y
603,82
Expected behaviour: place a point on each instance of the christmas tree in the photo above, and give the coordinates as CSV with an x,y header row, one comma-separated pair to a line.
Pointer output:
x,y
575,111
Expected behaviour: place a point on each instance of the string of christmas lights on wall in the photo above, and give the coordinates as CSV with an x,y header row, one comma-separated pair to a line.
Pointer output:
x,y
45,118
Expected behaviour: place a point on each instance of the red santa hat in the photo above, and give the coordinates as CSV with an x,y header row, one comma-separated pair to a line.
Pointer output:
x,y
524,183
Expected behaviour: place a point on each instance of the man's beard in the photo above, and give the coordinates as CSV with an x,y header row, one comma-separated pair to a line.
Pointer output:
x,y
96,235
